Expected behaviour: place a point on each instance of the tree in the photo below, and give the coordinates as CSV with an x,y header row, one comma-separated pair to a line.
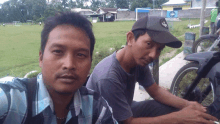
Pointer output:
x,y
158,3
95,4
72,4
141,4
38,9
5,12
81,3
122,3
111,4
146,3
52,9
64,3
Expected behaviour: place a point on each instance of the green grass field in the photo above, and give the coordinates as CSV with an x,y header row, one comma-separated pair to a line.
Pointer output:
x,y
19,45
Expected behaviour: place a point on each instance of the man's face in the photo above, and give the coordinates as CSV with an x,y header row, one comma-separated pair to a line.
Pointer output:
x,y
66,60
144,50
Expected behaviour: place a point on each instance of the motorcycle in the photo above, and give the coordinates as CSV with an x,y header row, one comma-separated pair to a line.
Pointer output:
x,y
205,42
199,80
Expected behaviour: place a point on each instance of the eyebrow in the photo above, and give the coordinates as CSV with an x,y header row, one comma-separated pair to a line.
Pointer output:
x,y
83,49
62,46
57,45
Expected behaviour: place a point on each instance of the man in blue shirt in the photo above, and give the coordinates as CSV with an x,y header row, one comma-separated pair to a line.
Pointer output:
x,y
67,43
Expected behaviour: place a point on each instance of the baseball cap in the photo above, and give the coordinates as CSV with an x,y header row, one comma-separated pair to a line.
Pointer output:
x,y
158,29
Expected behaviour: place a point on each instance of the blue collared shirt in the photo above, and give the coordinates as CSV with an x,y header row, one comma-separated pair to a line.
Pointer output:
x,y
87,106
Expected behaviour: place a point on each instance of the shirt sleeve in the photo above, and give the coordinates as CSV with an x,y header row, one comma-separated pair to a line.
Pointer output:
x,y
105,113
115,96
3,105
145,77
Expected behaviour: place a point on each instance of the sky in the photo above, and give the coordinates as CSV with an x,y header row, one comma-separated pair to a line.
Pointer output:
x,y
2,1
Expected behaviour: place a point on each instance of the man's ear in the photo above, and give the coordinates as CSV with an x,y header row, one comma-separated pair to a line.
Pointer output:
x,y
40,58
130,38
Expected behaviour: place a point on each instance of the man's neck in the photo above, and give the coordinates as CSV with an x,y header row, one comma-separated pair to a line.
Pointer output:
x,y
125,59
61,103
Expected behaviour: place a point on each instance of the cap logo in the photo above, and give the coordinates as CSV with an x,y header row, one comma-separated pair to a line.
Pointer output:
x,y
164,23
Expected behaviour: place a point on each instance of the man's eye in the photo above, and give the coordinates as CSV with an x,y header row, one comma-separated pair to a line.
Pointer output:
x,y
148,43
81,55
57,51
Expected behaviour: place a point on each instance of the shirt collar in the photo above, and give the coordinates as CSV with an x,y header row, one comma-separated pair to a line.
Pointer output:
x,y
43,99
77,103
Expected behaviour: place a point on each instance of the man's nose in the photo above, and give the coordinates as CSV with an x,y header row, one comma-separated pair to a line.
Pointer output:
x,y
153,54
69,62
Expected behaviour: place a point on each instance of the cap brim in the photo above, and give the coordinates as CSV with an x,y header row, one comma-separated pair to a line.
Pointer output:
x,y
166,38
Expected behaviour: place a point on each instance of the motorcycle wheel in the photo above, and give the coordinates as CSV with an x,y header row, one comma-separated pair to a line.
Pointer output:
x,y
202,44
184,78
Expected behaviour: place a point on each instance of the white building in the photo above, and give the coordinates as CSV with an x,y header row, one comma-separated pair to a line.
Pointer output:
x,y
198,3
83,11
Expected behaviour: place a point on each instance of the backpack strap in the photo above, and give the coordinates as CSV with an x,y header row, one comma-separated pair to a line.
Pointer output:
x,y
31,91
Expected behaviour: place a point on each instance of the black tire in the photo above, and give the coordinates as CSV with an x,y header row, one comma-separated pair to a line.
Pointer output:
x,y
184,77
203,44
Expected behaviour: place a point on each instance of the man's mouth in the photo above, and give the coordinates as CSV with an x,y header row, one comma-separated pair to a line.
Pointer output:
x,y
146,62
69,79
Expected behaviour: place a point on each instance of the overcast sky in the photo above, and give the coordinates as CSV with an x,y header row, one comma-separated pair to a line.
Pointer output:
x,y
2,1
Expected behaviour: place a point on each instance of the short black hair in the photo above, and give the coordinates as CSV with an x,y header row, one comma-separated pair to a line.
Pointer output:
x,y
67,18
216,4
137,33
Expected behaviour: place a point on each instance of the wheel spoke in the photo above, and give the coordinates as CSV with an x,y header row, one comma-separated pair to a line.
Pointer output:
x,y
204,45
186,78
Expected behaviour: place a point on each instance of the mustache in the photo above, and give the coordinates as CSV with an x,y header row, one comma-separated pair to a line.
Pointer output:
x,y
149,60
66,74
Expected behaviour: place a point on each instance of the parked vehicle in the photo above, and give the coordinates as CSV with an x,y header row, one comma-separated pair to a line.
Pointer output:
x,y
200,80
205,42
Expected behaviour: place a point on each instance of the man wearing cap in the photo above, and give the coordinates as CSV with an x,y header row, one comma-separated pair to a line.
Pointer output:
x,y
115,77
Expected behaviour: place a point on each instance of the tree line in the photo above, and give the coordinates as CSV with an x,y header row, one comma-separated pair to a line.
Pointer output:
x,y
39,10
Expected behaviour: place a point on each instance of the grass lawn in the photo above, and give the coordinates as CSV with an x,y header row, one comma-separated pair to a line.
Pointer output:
x,y
20,44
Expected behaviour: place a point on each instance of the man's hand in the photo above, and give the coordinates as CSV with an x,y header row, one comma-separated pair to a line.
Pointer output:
x,y
196,105
194,113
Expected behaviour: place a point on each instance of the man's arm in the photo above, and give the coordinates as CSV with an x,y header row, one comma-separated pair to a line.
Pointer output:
x,y
146,80
191,112
188,115
165,97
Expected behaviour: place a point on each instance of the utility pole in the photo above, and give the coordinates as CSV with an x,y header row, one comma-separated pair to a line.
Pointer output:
x,y
202,17
153,5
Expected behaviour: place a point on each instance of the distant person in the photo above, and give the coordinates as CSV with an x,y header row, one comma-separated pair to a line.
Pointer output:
x,y
115,76
214,13
217,21
3,24
40,23
56,95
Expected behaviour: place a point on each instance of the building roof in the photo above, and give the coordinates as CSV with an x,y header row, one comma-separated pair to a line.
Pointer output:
x,y
81,10
122,9
108,9
174,2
